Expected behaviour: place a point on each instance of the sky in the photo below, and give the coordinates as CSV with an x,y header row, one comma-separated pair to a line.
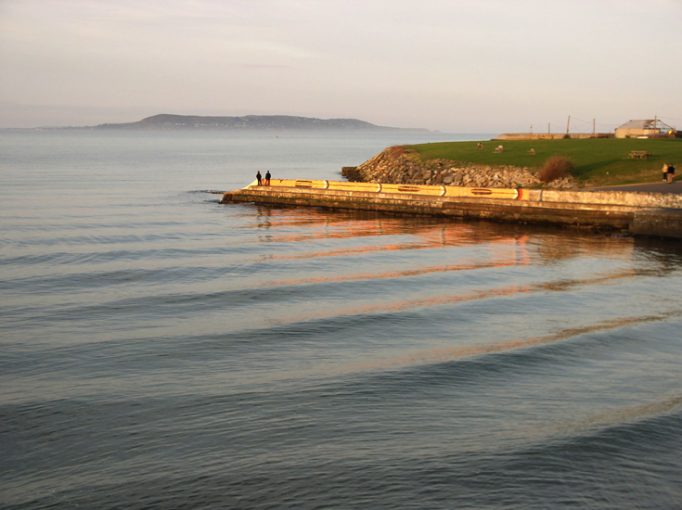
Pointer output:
x,y
464,66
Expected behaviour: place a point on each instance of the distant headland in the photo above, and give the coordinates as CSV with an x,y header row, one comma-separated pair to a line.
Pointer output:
x,y
249,122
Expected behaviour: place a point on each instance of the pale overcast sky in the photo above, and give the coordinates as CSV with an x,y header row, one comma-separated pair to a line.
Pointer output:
x,y
457,65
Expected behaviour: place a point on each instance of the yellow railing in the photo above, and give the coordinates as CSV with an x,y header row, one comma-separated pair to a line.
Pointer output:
x,y
459,191
367,187
413,189
403,189
299,183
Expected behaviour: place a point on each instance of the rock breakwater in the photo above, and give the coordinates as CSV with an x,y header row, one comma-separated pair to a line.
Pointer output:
x,y
401,165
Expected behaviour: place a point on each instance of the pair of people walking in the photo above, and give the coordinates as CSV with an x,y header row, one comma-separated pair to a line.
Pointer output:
x,y
668,173
261,181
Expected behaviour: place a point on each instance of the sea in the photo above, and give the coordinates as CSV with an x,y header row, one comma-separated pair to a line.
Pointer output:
x,y
161,350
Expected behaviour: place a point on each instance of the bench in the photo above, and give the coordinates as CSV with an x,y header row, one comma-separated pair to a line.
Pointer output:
x,y
638,155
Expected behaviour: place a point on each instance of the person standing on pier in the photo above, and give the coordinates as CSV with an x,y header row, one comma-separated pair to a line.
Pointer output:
x,y
267,178
259,178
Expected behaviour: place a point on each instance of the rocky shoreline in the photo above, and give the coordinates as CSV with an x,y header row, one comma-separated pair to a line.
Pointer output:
x,y
401,165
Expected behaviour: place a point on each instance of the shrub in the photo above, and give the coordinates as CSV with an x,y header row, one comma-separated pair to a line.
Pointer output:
x,y
351,173
554,168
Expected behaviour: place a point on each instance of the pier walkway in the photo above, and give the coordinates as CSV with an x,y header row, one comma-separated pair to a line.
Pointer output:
x,y
654,187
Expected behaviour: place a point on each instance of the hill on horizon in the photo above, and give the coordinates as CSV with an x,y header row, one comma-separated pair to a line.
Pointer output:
x,y
171,121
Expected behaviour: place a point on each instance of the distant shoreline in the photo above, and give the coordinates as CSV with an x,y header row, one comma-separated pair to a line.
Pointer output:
x,y
166,121
270,131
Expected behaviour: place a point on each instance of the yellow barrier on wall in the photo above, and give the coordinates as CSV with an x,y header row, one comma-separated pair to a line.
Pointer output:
x,y
458,191
366,187
413,189
294,183
287,183
298,183
407,189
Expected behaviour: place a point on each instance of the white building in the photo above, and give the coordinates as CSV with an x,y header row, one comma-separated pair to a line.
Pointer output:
x,y
647,128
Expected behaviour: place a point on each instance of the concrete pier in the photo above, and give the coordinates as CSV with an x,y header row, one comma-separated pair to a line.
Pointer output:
x,y
652,214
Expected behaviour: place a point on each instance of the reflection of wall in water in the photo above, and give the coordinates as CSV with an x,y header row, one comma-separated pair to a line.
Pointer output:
x,y
665,254
556,247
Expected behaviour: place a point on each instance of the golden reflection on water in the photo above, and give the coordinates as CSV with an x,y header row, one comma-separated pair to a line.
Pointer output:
x,y
620,415
425,238
350,251
548,245
446,354
612,417
448,299
440,354
392,274
276,218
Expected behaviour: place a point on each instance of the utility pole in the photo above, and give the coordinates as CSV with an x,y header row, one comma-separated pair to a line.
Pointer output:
x,y
594,128
568,125
549,131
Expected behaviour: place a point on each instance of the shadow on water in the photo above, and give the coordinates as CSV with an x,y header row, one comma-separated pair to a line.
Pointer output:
x,y
664,252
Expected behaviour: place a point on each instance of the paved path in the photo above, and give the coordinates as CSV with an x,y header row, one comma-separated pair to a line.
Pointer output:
x,y
655,187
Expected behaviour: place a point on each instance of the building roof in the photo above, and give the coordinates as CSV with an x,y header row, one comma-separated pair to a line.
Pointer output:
x,y
645,124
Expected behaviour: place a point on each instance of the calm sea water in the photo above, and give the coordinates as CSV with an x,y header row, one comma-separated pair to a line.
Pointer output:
x,y
159,350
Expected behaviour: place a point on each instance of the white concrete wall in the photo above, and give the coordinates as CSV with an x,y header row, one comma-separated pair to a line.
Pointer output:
x,y
666,200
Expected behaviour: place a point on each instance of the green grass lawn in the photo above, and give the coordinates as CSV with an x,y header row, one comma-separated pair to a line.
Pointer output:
x,y
597,161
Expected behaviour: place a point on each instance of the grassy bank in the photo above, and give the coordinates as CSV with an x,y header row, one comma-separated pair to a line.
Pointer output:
x,y
597,161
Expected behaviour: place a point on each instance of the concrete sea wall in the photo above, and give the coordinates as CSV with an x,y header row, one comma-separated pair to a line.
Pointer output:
x,y
638,213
